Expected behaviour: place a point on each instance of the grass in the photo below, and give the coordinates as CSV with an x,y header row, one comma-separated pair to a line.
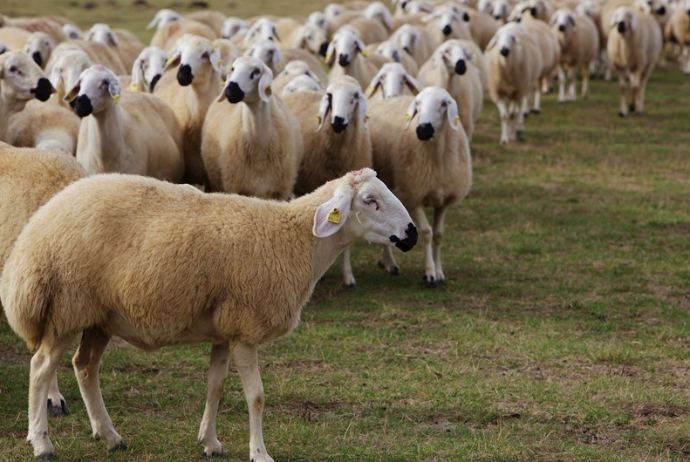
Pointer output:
x,y
562,333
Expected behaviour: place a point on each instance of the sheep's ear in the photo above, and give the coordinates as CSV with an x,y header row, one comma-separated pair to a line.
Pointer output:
x,y
360,46
265,85
73,92
411,84
275,34
387,20
411,112
324,108
137,74
571,20
115,88
465,16
429,17
492,43
330,54
89,36
156,20
221,97
55,77
332,214
216,60
276,58
314,76
363,107
374,85
174,59
112,39
453,116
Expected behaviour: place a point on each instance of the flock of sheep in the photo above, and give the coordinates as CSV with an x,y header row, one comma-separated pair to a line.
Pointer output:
x,y
226,105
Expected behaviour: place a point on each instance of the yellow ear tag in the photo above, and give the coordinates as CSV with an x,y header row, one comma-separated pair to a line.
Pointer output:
x,y
328,56
267,90
318,117
334,216
369,90
116,97
219,62
365,53
407,116
367,117
476,61
457,119
135,87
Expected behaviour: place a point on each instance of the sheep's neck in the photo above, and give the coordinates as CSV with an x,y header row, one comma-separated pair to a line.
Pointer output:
x,y
108,146
8,105
256,120
201,94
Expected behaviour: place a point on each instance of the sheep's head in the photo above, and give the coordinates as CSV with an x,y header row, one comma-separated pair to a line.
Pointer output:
x,y
232,26
379,11
96,90
22,79
416,7
39,46
624,19
346,44
266,51
505,39
102,33
262,29
392,80
197,59
66,69
362,207
72,32
228,53
446,19
333,10
563,21
302,83
434,107
500,10
251,81
454,56
346,103
148,69
312,38
299,68
407,37
318,19
390,50
163,17
3,47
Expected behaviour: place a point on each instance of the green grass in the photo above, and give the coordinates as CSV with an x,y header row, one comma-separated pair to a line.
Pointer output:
x,y
562,333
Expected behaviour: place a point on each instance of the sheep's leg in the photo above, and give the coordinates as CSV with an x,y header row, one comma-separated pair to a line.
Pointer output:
x,y
427,236
635,89
503,112
561,85
85,361
516,117
585,82
387,261
536,109
247,362
439,216
572,80
348,277
621,91
217,374
43,367
56,402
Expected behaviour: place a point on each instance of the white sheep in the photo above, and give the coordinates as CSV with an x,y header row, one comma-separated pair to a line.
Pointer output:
x,y
252,146
262,29
48,127
346,48
300,83
227,53
148,69
131,232
416,41
233,26
168,33
482,27
66,64
276,59
447,23
430,167
124,132
98,54
72,32
678,31
395,53
393,81
308,37
39,46
633,50
292,70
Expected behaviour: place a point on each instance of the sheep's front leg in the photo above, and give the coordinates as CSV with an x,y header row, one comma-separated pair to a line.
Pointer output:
x,y
247,362
621,91
635,81
439,216
348,277
427,236
56,402
503,112
43,367
536,108
85,361
572,81
585,82
561,85
387,261
217,374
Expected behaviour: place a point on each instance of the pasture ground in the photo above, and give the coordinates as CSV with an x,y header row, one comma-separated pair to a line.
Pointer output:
x,y
562,333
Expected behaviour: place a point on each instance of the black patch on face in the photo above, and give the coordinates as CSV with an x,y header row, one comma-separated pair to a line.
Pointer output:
x,y
533,11
407,243
43,90
234,93
154,81
621,27
460,67
466,17
82,106
425,131
323,49
344,60
184,75
38,59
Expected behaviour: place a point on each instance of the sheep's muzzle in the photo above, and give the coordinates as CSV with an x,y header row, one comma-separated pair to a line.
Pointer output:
x,y
43,89
408,242
425,131
339,125
234,93
460,67
343,60
447,30
82,106
621,27
184,75
505,51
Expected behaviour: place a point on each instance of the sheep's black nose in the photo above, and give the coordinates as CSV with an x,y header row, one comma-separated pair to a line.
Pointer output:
x,y
505,51
561,28
425,131
154,81
661,11
408,242
621,27
82,106
447,30
533,10
323,48
43,89
466,17
344,60
234,93
339,125
37,58
460,67
184,75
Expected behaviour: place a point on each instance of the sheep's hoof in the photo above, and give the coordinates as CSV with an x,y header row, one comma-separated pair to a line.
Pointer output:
x,y
535,111
632,108
622,115
121,446
638,113
46,456
219,455
395,271
430,281
562,101
349,285
62,409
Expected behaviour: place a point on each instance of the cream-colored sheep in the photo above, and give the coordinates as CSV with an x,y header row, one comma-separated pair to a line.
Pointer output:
x,y
482,27
47,127
633,50
308,37
578,38
453,68
233,26
20,81
515,65
227,53
39,46
124,43
66,64
72,32
14,37
678,31
125,132
99,54
292,70
276,59
212,18
262,29
130,234
396,54
252,146
346,48
148,69
190,92
168,33
28,179
416,41
447,23
300,83
393,81
430,167
541,10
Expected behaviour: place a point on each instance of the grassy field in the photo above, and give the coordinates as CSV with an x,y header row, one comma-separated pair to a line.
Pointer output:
x,y
562,332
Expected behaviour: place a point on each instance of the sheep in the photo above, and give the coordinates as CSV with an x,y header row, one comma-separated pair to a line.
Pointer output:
x,y
309,37
448,23
515,64
579,41
431,168
393,81
121,41
64,68
233,26
266,51
633,50
98,54
136,228
28,178
541,10
227,53
482,27
72,32
395,53
275,58
678,31
252,146
148,69
14,37
3,47
39,46
168,33
292,70
300,83
452,68
164,17
416,41
262,29
212,18
348,47
190,92
20,81
124,132
48,127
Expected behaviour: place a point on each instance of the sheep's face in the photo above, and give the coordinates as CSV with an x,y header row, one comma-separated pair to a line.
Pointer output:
x,y
263,29
500,10
505,41
22,79
72,32
363,207
266,51
333,10
300,68
447,20
302,83
102,33
417,7
392,80
312,38
453,55
346,103
39,46
345,46
379,12
97,89
197,59
250,82
163,17
624,20
319,20
407,38
148,69
232,26
433,107
563,21
390,50
66,70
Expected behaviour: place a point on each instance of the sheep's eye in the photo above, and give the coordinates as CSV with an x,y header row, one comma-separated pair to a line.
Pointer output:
x,y
13,69
368,200
310,37
206,56
255,72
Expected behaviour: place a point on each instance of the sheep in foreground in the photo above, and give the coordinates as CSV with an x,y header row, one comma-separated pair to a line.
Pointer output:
x,y
28,178
579,41
124,132
431,167
633,50
120,224
48,127
20,81
515,65
148,69
346,47
393,81
453,68
252,146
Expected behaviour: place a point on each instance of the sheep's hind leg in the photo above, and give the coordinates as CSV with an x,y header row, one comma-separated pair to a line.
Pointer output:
x,y
439,216
427,235
572,81
585,82
218,372
621,91
348,277
247,363
56,402
387,261
635,81
43,368
503,112
561,85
